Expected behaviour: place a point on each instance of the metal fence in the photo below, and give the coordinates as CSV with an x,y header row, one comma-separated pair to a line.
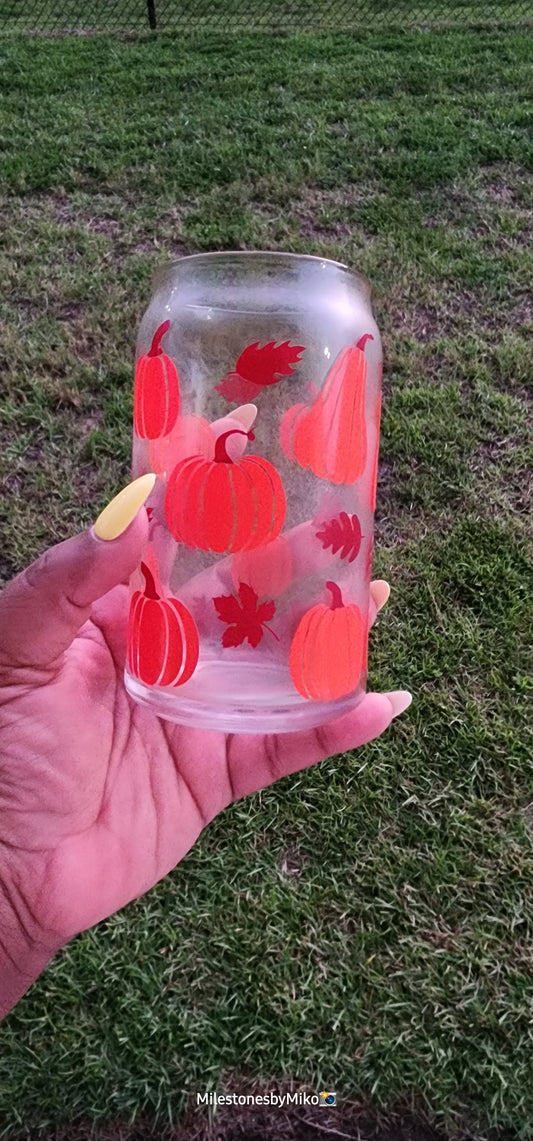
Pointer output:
x,y
85,16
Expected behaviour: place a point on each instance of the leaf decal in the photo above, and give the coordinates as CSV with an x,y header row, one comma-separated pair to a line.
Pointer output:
x,y
152,523
259,367
342,531
236,389
244,617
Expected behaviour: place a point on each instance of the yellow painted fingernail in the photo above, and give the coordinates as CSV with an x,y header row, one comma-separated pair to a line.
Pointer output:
x,y
121,511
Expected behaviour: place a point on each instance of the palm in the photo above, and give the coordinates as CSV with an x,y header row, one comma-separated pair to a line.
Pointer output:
x,y
112,797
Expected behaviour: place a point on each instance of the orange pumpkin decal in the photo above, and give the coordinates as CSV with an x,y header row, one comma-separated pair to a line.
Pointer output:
x,y
327,650
156,398
163,643
364,667
374,476
329,437
268,570
224,505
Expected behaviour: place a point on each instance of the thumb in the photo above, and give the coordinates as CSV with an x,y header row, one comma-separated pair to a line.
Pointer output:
x,y
43,608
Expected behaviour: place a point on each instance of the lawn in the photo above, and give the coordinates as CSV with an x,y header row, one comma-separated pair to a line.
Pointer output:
x,y
291,15
366,925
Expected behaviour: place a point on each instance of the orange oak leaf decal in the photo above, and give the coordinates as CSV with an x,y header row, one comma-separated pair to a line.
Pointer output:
x,y
258,367
244,617
343,531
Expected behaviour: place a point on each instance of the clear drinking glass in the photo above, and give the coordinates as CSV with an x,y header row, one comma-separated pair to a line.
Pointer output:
x,y
249,611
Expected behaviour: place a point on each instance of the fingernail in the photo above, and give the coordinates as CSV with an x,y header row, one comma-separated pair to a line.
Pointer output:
x,y
246,415
383,591
121,511
400,699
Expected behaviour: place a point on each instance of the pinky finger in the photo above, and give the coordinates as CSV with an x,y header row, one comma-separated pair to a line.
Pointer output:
x,y
256,762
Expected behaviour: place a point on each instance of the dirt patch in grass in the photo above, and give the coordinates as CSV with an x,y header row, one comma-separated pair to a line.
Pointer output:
x,y
501,486
501,194
17,471
326,213
115,217
72,311
31,488
321,214
422,322
456,312
487,215
176,247
498,191
492,205
100,219
352,1121
395,528
291,864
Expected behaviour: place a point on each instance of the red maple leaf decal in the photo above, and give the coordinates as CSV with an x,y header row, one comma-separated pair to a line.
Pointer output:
x,y
343,531
262,366
246,617
259,367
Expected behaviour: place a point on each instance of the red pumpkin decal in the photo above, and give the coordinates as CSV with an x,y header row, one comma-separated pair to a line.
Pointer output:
x,y
329,437
156,398
267,570
192,436
222,505
150,558
327,650
163,643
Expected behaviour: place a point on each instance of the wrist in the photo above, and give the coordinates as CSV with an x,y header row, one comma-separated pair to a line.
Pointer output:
x,y
23,954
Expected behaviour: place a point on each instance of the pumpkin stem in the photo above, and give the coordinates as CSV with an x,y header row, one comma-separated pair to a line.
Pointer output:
x,y
156,350
362,341
150,588
221,455
336,595
271,632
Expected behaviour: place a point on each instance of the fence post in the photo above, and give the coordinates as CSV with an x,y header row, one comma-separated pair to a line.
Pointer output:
x,y
151,14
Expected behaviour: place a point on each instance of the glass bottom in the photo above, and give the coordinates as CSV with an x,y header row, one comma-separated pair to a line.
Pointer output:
x,y
264,703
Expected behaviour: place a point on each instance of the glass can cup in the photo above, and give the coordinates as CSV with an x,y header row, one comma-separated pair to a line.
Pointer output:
x,y
257,405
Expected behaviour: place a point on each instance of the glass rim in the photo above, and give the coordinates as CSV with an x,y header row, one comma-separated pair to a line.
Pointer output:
x,y
160,274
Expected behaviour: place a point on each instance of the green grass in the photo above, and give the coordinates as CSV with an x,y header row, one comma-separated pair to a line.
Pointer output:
x,y
293,15
367,924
